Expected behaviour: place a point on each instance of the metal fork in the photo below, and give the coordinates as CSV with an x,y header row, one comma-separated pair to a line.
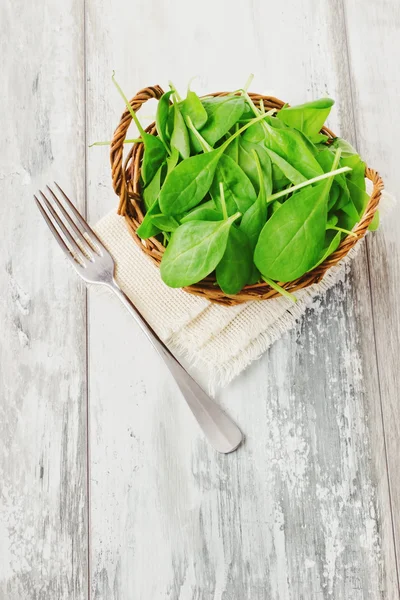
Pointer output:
x,y
94,264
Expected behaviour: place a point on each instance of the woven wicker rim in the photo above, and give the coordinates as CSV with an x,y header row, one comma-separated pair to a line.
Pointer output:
x,y
126,178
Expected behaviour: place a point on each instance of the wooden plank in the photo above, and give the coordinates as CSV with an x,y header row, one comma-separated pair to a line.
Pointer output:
x,y
43,503
292,514
373,42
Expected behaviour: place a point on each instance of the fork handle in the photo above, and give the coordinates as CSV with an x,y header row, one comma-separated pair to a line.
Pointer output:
x,y
219,429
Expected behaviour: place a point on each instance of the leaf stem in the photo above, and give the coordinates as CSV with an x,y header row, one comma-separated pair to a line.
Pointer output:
x,y
248,82
224,146
128,106
308,182
275,286
203,143
108,143
223,203
347,231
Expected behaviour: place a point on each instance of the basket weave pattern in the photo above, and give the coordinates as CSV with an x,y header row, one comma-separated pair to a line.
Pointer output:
x,y
126,183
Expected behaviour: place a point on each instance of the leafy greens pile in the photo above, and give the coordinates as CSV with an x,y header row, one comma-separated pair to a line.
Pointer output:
x,y
248,194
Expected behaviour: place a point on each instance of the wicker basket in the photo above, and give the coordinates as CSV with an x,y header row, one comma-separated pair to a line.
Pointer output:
x,y
126,176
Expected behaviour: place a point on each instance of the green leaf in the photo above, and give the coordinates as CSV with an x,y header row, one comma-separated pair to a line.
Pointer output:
x,y
193,108
247,163
238,189
233,150
287,143
255,217
188,183
154,156
332,241
265,163
289,172
235,267
333,195
151,191
308,118
180,135
162,117
292,239
204,212
279,181
194,251
147,228
223,112
172,160
346,148
165,222
358,196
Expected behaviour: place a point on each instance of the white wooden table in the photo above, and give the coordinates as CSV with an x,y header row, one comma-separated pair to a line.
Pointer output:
x,y
107,489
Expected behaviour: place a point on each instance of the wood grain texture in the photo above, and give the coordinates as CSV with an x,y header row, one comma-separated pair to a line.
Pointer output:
x,y
43,528
303,509
375,91
308,507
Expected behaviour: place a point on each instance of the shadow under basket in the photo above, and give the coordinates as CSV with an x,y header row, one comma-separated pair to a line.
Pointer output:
x,y
126,183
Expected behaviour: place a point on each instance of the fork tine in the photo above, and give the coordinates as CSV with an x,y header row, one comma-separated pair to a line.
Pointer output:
x,y
88,230
81,238
55,233
55,219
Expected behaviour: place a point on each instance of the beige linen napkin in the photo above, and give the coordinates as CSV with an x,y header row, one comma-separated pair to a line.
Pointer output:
x,y
220,341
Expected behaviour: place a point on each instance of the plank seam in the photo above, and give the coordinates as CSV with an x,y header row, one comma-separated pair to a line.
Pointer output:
x,y
88,469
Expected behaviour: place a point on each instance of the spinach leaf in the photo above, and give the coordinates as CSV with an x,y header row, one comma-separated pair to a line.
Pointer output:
x,y
279,181
346,203
153,157
239,191
287,143
147,228
265,162
207,211
194,251
291,146
254,218
233,149
223,112
151,191
172,160
334,195
180,135
358,196
188,183
326,158
162,117
292,239
308,118
248,165
164,222
275,205
332,241
289,172
236,265
346,148
192,107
